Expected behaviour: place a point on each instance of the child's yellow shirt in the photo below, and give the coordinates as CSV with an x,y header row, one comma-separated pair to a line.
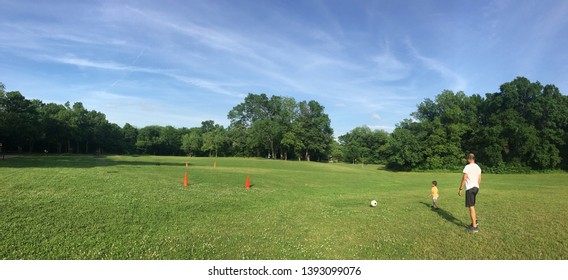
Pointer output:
x,y
435,192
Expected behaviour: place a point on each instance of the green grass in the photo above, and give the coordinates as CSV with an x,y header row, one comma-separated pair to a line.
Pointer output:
x,y
121,207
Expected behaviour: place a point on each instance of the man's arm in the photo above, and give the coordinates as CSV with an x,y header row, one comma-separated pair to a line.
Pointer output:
x,y
462,184
479,180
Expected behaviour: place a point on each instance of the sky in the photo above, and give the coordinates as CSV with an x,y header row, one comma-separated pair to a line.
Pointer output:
x,y
367,62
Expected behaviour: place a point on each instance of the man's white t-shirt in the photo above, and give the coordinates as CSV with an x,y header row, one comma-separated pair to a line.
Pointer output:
x,y
473,172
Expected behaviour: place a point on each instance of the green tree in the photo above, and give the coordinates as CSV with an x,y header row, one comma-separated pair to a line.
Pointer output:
x,y
83,126
149,140
3,124
130,136
192,141
363,145
169,141
20,120
317,134
215,140
259,123
404,149
530,121
292,143
336,155
445,123
238,136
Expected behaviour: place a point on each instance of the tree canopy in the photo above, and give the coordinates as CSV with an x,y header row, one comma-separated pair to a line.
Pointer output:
x,y
262,126
522,126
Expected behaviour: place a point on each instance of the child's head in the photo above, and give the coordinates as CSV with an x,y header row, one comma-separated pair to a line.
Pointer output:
x,y
434,184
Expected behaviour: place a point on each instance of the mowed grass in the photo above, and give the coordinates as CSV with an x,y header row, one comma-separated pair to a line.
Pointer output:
x,y
123,207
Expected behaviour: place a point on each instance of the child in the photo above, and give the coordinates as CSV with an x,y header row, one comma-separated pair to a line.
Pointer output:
x,y
434,195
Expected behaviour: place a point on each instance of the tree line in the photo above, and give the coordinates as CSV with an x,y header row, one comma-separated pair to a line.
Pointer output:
x,y
261,126
523,126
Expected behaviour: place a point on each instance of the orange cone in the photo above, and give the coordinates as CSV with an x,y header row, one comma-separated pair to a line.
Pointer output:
x,y
214,164
186,164
247,183
185,184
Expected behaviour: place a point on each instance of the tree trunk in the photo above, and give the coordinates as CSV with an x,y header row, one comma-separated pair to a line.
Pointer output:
x,y
272,149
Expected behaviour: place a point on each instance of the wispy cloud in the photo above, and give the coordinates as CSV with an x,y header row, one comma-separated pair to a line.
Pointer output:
x,y
212,37
210,86
376,117
389,67
52,37
104,65
456,81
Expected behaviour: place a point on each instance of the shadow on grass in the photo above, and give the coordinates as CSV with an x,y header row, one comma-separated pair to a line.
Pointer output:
x,y
78,161
446,215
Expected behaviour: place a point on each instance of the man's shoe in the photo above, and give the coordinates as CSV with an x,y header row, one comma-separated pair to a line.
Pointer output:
x,y
472,229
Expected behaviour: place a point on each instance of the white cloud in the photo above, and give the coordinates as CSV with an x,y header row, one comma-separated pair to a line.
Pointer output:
x,y
376,117
382,127
210,86
105,65
390,68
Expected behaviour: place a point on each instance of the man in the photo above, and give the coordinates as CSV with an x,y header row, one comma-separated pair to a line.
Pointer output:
x,y
471,180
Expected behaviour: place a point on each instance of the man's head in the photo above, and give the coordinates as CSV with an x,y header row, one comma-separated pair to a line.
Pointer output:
x,y
470,158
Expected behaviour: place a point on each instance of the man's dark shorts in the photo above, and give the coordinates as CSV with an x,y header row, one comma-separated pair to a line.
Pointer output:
x,y
470,196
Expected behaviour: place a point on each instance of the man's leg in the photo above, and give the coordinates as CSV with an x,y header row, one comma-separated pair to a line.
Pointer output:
x,y
473,216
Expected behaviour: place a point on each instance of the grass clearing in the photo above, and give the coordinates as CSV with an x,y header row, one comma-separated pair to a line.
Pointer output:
x,y
126,207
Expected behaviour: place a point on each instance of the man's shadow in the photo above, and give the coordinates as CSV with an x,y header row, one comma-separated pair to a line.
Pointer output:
x,y
446,215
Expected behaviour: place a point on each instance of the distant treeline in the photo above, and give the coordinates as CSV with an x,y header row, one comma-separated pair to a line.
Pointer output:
x,y
275,127
521,127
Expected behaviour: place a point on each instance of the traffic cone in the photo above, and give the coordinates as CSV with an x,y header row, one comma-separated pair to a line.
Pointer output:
x,y
247,183
214,164
185,184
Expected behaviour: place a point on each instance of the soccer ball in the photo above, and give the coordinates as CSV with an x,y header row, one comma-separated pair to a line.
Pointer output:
x,y
373,203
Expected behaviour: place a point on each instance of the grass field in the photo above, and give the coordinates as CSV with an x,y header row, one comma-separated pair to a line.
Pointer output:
x,y
122,207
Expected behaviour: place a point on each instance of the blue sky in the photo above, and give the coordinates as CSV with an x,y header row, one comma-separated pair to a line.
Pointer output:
x,y
367,62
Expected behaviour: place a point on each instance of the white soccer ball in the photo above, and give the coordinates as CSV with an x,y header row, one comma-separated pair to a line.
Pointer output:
x,y
373,203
